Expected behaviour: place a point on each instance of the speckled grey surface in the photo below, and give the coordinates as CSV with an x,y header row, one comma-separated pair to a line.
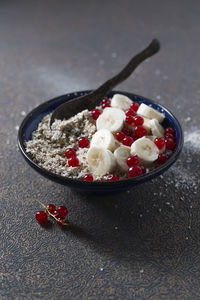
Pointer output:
x,y
143,244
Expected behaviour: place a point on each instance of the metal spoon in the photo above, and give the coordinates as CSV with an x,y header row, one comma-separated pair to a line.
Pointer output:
x,y
89,101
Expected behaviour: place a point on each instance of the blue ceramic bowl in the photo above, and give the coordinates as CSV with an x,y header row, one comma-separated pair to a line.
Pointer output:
x,y
30,124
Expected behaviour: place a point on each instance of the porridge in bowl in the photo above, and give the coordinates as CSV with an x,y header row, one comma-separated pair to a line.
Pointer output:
x,y
119,139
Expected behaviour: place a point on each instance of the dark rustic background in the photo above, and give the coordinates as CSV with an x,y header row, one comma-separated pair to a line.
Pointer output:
x,y
144,243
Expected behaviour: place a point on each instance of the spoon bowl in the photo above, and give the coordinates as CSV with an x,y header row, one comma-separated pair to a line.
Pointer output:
x,y
31,121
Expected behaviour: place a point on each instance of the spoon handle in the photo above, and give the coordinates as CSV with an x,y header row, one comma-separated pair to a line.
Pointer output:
x,y
89,101
152,49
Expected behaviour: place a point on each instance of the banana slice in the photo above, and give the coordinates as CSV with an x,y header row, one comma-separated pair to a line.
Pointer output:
x,y
149,112
146,125
111,119
121,101
156,128
103,138
121,154
100,161
146,150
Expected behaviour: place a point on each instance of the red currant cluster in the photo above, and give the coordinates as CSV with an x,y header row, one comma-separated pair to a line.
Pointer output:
x,y
168,142
105,103
73,161
96,112
59,214
126,136
134,168
70,153
111,177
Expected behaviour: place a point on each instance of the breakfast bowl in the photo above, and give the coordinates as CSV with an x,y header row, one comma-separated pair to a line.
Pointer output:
x,y
30,124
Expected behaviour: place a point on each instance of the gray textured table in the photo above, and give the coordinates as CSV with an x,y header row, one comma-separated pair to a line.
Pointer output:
x,y
144,243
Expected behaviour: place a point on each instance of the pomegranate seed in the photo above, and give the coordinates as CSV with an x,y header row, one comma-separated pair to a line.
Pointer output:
x,y
162,158
41,217
134,171
112,177
128,141
88,177
140,131
120,136
159,142
129,112
104,105
70,152
170,136
135,106
73,162
127,132
83,142
51,208
169,144
105,100
95,113
132,160
61,211
129,120
169,130
137,120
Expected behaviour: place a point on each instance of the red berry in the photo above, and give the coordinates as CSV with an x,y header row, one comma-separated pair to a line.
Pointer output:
x,y
128,141
104,105
127,132
51,208
143,170
169,144
41,217
112,177
60,221
62,211
95,113
129,112
140,131
169,136
159,142
137,120
162,158
55,213
134,138
73,162
120,136
83,142
134,171
105,100
135,106
88,177
132,160
169,130
70,152
129,120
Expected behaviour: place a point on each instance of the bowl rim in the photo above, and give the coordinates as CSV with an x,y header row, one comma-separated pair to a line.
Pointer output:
x,y
66,180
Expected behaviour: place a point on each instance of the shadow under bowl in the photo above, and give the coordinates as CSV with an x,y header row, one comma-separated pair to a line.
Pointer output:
x,y
30,124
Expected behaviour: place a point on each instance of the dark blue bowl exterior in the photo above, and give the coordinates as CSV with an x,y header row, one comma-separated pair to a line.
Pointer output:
x,y
30,124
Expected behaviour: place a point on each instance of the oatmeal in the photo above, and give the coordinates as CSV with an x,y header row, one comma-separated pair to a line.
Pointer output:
x,y
47,147
117,140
